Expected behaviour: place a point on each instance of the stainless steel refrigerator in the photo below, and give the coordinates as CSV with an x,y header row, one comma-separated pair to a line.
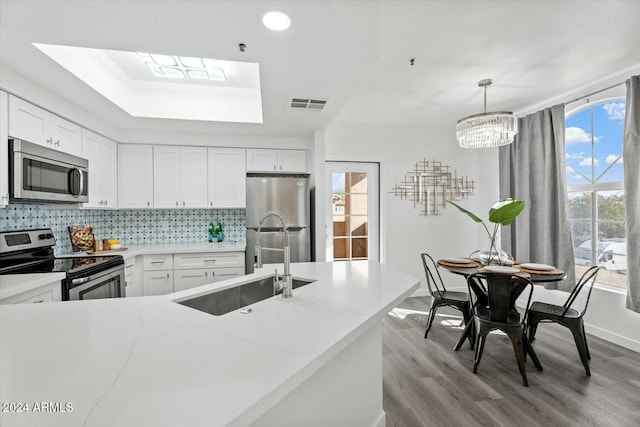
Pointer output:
x,y
288,195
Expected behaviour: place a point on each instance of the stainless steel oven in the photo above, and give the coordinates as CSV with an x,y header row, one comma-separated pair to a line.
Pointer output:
x,y
103,284
38,173
86,277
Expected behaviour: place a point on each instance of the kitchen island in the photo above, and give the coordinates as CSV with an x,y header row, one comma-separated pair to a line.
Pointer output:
x,y
314,359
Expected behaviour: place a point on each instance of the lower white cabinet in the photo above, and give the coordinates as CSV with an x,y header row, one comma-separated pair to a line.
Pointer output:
x,y
46,293
158,282
158,274
187,279
133,285
166,273
197,269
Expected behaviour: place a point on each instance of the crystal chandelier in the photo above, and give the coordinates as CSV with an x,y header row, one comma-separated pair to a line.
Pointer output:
x,y
486,130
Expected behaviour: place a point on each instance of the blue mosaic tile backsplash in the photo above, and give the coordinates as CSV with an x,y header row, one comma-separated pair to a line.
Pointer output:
x,y
132,227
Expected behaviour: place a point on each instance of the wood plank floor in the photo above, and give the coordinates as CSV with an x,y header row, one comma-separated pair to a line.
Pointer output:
x,y
426,383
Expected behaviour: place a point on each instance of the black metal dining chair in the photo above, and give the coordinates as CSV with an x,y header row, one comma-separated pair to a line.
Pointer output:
x,y
440,296
500,312
566,315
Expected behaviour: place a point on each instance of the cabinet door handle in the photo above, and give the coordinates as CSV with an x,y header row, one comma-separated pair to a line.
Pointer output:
x,y
184,204
50,141
280,167
210,203
148,203
274,167
57,143
206,274
209,260
37,302
157,262
176,203
167,275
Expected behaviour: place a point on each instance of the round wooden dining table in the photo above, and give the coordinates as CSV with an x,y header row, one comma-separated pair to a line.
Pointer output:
x,y
500,284
535,276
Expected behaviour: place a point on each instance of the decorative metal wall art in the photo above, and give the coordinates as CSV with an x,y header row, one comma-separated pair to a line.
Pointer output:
x,y
430,184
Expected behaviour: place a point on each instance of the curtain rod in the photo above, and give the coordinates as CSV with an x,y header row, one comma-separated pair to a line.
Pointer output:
x,y
594,93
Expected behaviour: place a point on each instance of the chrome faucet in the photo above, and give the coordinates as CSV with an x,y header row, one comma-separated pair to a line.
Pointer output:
x,y
283,284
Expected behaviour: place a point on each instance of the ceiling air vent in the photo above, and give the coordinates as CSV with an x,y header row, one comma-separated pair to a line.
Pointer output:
x,y
308,104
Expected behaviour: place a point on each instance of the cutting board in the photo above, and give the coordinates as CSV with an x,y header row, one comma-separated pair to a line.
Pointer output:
x,y
106,252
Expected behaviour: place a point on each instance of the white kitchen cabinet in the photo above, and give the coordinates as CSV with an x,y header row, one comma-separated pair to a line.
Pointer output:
x,y
46,293
158,274
158,282
135,176
133,286
196,269
157,262
33,124
179,177
187,279
4,149
227,178
103,170
277,161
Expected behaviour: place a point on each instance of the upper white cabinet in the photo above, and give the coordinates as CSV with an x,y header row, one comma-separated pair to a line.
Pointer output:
x,y
33,124
135,176
227,177
277,161
180,177
103,170
4,149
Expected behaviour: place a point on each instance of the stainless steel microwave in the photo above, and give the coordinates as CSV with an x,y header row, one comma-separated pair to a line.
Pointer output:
x,y
40,174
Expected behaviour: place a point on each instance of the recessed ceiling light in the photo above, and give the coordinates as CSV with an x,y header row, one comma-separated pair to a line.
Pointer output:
x,y
276,21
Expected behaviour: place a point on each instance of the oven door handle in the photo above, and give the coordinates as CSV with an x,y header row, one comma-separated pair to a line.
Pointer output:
x,y
112,272
80,281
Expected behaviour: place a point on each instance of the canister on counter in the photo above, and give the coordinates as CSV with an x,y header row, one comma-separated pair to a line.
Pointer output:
x,y
106,245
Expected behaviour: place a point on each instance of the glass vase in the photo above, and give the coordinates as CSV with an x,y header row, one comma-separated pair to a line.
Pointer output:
x,y
493,256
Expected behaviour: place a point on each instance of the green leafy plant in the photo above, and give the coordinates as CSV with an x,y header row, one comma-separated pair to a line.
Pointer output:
x,y
501,213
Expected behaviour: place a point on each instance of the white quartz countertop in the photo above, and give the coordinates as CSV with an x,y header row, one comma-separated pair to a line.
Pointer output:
x,y
14,284
150,361
169,248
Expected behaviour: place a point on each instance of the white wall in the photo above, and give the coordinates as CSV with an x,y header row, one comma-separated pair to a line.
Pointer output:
x,y
405,233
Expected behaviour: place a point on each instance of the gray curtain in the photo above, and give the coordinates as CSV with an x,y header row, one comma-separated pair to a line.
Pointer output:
x,y
533,169
631,156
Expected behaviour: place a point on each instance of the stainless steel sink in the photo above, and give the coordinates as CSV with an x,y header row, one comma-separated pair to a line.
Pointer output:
x,y
227,300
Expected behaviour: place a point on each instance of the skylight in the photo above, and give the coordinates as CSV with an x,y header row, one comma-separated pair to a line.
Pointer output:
x,y
146,84
180,67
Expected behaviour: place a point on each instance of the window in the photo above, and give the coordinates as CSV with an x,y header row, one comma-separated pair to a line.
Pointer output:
x,y
596,189
353,214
